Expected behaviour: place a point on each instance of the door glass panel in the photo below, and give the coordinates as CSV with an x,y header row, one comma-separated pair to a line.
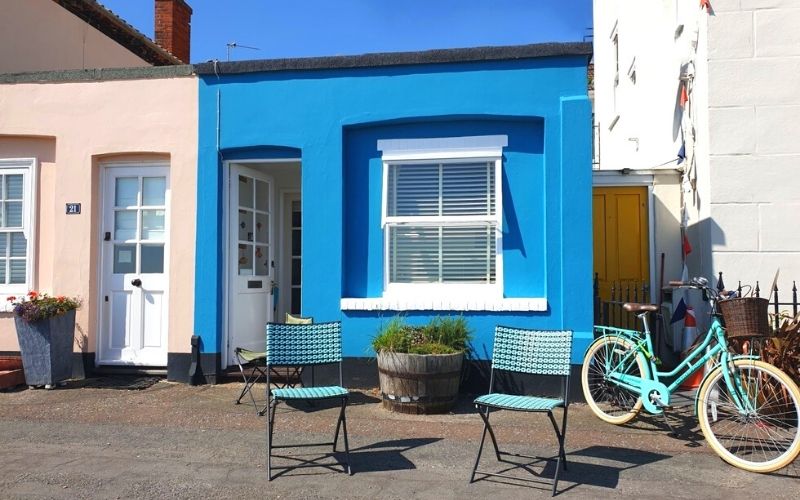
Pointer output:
x,y
296,242
152,259
124,259
245,260
245,192
125,225
262,196
262,228
19,245
245,225
262,261
296,214
13,187
153,189
295,301
16,274
13,213
152,225
126,192
295,272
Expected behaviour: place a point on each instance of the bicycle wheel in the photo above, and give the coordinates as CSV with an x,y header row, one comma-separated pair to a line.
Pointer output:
x,y
610,402
763,439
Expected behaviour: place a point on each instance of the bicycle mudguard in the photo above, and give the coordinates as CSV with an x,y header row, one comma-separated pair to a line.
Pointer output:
x,y
733,358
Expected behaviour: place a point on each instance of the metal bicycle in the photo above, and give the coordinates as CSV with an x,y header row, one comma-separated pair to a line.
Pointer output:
x,y
748,409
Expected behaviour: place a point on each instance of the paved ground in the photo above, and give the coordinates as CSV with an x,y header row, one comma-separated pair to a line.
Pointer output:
x,y
177,441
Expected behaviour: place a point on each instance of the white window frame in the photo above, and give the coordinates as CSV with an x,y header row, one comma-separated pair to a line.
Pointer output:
x,y
28,167
476,149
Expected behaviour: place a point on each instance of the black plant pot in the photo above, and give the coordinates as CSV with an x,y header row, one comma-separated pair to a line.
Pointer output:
x,y
46,348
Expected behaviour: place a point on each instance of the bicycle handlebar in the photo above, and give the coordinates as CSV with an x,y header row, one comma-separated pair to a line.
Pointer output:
x,y
679,283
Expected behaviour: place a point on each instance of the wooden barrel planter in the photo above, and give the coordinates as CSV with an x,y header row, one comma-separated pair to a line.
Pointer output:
x,y
419,383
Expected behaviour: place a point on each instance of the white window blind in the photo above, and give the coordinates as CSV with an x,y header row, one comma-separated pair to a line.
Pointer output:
x,y
16,225
442,222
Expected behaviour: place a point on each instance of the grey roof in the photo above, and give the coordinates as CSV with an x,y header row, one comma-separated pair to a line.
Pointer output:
x,y
439,56
100,74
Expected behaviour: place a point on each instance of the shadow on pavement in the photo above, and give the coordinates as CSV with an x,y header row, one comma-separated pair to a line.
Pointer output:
x,y
579,472
383,456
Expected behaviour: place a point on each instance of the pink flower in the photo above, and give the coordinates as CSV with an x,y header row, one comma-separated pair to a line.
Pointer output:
x,y
11,298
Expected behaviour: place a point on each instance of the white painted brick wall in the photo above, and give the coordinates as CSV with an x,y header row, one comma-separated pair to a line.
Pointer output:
x,y
734,228
754,137
729,136
730,35
755,179
779,228
778,131
748,82
750,267
777,32
764,4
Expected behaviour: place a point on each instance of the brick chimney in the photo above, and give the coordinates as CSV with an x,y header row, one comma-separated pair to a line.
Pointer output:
x,y
173,27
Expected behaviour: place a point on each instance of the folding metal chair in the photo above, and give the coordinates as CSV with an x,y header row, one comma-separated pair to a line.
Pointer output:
x,y
534,352
256,363
253,366
305,345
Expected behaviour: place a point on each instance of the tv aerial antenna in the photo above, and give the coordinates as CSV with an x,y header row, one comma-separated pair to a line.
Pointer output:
x,y
235,45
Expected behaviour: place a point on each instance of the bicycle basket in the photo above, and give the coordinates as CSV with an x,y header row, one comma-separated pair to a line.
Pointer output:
x,y
745,316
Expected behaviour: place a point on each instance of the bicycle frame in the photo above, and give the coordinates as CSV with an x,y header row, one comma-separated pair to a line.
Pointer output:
x,y
643,346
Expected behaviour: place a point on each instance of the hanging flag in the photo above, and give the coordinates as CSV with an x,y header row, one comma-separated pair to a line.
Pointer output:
x,y
706,4
684,95
682,153
679,313
687,247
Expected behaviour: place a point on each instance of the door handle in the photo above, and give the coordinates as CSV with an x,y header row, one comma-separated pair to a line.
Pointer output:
x,y
136,282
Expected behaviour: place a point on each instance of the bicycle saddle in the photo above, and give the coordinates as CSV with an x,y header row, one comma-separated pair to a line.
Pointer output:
x,y
635,307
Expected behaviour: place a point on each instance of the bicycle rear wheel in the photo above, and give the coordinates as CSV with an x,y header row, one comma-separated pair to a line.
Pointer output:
x,y
764,438
610,402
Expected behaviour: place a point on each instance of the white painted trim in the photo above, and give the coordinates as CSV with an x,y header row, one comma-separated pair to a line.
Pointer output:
x,y
29,168
443,150
536,304
651,224
443,147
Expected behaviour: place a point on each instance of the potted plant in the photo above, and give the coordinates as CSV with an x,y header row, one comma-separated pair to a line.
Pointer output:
x,y
46,331
419,367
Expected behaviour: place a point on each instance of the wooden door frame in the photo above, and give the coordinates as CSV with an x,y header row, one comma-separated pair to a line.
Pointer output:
x,y
612,179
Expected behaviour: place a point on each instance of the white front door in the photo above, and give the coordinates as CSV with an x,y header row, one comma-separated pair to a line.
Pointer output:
x,y
251,266
133,309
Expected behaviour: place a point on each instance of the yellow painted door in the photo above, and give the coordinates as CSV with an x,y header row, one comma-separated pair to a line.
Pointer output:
x,y
621,236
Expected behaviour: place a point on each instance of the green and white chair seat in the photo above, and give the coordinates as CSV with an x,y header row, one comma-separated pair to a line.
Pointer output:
x,y
519,403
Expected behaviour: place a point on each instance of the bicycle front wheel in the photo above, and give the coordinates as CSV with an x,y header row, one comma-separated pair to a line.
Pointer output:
x,y
610,402
760,436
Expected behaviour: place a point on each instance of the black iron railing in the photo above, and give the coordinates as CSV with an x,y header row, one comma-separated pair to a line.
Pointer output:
x,y
609,312
775,303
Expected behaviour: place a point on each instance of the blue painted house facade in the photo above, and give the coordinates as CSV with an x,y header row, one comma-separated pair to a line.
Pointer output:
x,y
357,188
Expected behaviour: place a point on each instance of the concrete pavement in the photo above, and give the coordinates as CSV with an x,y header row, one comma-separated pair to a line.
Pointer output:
x,y
177,441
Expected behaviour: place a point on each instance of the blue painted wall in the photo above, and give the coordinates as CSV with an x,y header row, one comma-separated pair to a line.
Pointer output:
x,y
333,120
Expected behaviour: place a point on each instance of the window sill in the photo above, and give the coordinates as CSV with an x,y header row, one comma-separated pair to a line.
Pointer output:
x,y
439,304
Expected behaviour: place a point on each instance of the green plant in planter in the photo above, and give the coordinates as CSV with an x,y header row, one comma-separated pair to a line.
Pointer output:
x,y
420,367
442,335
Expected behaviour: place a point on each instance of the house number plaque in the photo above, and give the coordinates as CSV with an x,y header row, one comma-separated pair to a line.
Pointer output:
x,y
73,208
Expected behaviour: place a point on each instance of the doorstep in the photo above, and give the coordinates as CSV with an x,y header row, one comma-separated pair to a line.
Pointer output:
x,y
11,378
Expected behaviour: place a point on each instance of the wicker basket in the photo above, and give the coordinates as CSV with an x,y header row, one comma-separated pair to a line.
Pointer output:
x,y
745,317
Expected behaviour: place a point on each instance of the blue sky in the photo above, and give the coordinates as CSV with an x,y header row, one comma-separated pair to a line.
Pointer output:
x,y
336,27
